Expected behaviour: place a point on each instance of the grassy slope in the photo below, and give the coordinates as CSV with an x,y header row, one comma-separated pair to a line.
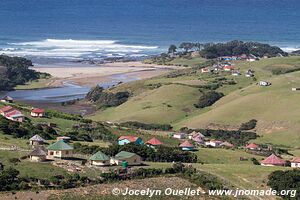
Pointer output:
x,y
41,170
163,105
275,107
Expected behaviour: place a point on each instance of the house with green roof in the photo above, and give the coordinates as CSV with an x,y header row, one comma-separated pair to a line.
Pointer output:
x,y
124,156
100,159
60,149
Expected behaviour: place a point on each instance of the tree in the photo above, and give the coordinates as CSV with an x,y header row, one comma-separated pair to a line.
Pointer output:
x,y
186,46
172,48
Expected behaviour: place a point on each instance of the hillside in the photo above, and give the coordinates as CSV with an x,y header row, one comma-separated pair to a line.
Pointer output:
x,y
170,99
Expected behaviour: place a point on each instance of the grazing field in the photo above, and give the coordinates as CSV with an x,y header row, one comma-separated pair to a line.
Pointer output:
x,y
170,100
224,156
27,168
166,104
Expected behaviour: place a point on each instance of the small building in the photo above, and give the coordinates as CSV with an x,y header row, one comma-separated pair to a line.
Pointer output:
x,y
187,146
60,149
64,138
153,143
195,134
6,109
39,154
228,68
130,139
124,156
214,143
36,140
227,145
37,112
295,163
236,73
7,99
179,135
15,115
264,83
205,70
100,159
273,160
198,140
252,146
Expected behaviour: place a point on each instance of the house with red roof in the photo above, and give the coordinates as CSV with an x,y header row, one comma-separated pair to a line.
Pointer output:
x,y
228,68
295,163
130,139
273,160
15,115
5,110
37,112
154,142
252,146
187,146
205,70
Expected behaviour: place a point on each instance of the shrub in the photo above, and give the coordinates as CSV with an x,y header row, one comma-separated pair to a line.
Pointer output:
x,y
208,99
248,125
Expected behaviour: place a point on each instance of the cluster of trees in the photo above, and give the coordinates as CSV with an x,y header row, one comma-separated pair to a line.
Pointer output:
x,y
288,180
236,47
236,137
15,71
10,180
161,154
106,99
25,129
57,114
208,98
232,48
140,125
251,124
90,131
203,179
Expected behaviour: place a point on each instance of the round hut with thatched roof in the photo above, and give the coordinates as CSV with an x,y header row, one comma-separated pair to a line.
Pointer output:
x,y
39,154
36,140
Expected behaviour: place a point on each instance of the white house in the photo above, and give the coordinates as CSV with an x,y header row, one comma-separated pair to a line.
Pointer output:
x,y
264,83
179,135
295,163
213,143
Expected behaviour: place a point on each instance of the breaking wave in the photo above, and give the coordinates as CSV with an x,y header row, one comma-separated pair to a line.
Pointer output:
x,y
76,49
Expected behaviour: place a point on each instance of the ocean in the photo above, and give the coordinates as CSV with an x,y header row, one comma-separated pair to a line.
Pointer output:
x,y
51,30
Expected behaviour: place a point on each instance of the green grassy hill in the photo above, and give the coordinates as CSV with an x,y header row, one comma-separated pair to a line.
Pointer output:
x,y
170,99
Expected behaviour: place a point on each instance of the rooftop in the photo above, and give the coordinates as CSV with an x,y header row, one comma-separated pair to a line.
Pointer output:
x,y
99,156
59,146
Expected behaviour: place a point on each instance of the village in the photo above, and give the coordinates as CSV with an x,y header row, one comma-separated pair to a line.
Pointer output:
x,y
60,153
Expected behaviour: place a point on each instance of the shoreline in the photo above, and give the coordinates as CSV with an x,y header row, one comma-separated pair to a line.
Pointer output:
x,y
91,75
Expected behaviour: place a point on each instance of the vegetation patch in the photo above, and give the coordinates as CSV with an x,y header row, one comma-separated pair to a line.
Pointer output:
x,y
140,125
208,98
106,99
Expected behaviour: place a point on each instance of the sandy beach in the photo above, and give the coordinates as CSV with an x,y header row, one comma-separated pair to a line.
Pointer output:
x,y
91,75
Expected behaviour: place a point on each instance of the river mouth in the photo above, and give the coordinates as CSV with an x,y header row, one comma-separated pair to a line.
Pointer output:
x,y
69,91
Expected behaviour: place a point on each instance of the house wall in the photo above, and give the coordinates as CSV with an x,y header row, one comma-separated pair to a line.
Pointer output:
x,y
295,165
123,142
134,160
36,114
187,148
100,163
60,154
37,158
